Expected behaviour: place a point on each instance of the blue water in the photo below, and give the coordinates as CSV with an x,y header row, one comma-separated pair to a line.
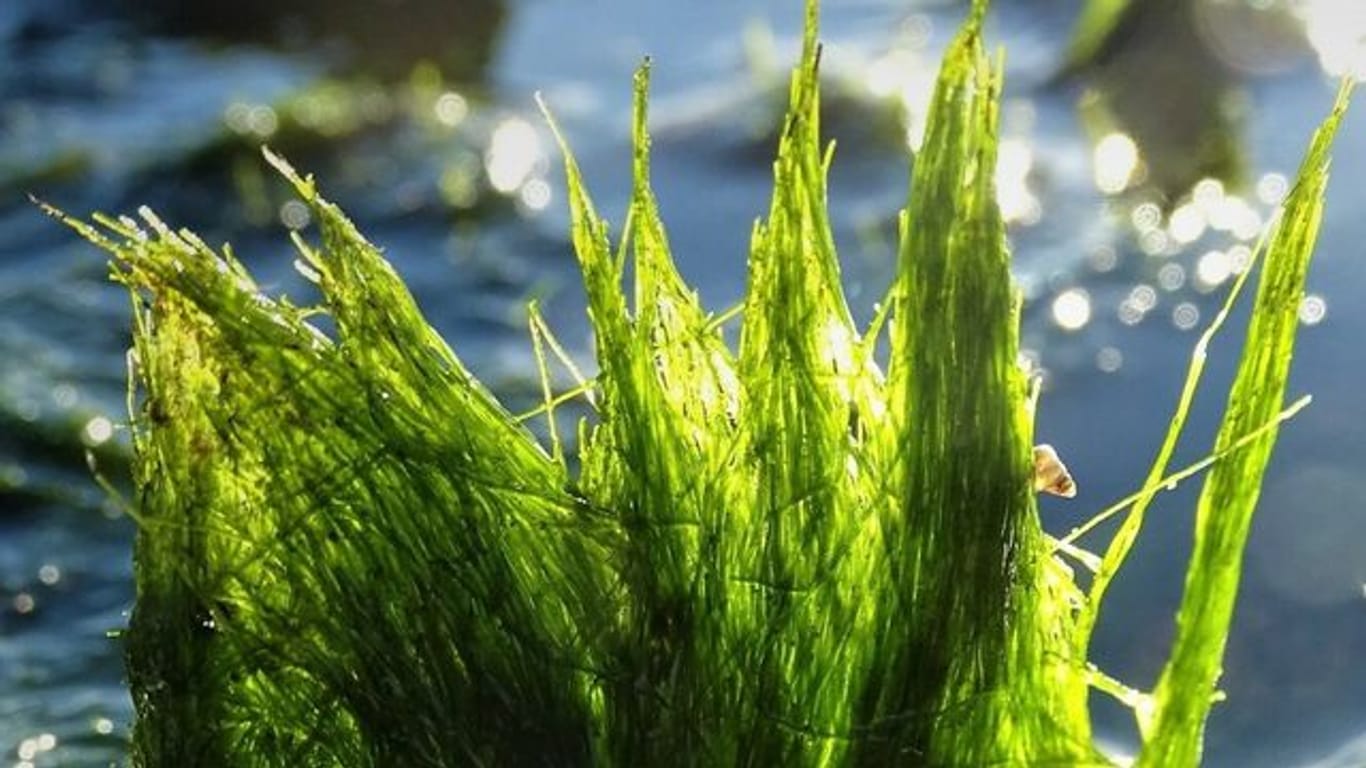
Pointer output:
x,y
125,108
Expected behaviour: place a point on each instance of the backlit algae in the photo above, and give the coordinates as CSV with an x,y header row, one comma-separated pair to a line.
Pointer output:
x,y
799,551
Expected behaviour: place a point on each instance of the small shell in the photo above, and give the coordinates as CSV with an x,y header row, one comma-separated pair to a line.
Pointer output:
x,y
1050,474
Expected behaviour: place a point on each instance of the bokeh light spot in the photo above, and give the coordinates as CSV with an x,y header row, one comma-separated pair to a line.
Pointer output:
x,y
1212,269
1171,277
1313,309
1143,296
1272,188
295,215
514,154
451,109
1072,309
64,395
1155,242
1013,163
1187,224
535,195
97,431
1185,315
1109,359
1146,217
1116,159
24,603
1103,259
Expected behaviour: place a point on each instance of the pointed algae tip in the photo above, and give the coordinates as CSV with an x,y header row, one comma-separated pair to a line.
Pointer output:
x,y
1318,157
643,71
640,132
1345,90
81,228
554,126
47,208
979,13
571,166
1340,104
1343,100
302,184
810,32
52,210
578,198
640,101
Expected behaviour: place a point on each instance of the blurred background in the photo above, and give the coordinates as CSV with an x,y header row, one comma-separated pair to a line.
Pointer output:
x,y
1137,167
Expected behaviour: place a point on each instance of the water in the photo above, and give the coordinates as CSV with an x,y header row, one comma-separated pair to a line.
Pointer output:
x,y
125,108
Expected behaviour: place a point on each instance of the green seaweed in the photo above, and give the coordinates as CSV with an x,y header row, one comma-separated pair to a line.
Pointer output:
x,y
791,552
1223,515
